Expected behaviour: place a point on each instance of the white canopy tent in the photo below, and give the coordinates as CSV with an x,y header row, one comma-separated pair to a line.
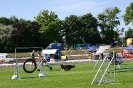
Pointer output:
x,y
50,51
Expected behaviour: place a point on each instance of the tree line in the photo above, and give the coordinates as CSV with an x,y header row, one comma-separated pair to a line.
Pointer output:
x,y
48,28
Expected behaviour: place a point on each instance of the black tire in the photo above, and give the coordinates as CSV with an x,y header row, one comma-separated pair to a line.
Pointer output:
x,y
26,66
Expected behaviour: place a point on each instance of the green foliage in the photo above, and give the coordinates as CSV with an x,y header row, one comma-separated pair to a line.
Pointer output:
x,y
108,21
129,32
71,30
128,16
50,26
26,34
4,20
5,37
9,21
5,33
79,77
81,29
89,29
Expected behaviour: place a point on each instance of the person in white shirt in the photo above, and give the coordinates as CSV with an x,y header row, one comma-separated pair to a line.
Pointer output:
x,y
42,55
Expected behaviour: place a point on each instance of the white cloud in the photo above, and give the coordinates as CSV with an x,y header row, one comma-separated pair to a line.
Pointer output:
x,y
75,5
79,7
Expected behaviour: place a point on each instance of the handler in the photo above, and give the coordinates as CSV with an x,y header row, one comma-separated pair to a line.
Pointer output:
x,y
42,55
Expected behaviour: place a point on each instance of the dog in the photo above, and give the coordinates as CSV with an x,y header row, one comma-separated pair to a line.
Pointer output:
x,y
66,67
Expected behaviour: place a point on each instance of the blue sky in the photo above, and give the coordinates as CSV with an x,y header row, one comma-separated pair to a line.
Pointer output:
x,y
28,9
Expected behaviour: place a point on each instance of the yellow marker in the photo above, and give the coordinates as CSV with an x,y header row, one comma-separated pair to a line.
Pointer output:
x,y
90,56
63,57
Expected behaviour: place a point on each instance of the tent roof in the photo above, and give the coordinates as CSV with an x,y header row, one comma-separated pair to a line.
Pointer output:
x,y
50,51
129,48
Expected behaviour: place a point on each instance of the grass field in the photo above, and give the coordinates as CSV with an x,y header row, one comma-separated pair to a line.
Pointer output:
x,y
79,77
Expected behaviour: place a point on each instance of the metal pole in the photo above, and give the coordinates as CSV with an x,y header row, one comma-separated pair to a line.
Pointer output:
x,y
122,39
42,65
17,73
97,62
114,67
122,30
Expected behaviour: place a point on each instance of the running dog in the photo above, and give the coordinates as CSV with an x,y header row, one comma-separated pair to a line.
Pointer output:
x,y
67,67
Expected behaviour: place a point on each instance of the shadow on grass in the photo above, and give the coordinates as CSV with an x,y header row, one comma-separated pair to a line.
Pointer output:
x,y
29,77
57,70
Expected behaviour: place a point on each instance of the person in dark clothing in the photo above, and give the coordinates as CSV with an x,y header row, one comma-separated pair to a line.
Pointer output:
x,y
102,55
32,56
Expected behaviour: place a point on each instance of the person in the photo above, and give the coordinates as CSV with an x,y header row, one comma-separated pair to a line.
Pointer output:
x,y
52,58
57,56
42,55
32,56
102,56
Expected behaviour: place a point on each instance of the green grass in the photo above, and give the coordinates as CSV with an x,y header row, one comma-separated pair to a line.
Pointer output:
x,y
79,77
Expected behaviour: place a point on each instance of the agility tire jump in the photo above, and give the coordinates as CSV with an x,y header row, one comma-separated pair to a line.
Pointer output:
x,y
29,66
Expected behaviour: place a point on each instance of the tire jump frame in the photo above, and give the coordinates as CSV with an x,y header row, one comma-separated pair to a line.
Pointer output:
x,y
16,74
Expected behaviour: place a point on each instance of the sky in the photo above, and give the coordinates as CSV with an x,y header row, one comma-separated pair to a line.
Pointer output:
x,y
28,9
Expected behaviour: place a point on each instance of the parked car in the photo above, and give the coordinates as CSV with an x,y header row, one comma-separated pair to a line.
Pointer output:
x,y
6,58
58,55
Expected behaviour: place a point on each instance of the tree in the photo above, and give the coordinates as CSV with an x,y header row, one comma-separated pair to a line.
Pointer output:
x,y
5,37
129,32
128,16
9,21
50,26
89,29
27,34
81,30
4,20
108,22
71,28
13,20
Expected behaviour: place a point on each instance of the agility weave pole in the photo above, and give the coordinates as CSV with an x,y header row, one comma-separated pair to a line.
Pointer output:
x,y
104,78
16,74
